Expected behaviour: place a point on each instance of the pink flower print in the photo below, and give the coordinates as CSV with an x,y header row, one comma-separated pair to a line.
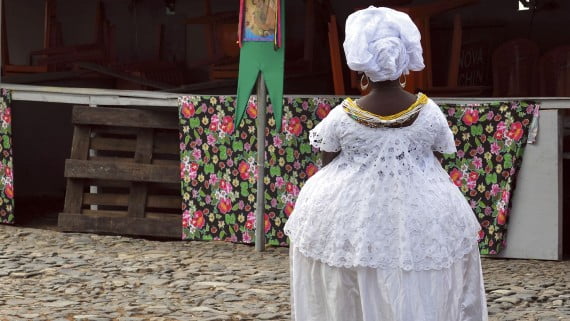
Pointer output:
x,y
210,139
488,210
214,123
495,189
197,154
186,215
279,182
480,150
241,205
451,111
250,223
182,146
460,153
495,148
246,237
473,204
471,184
505,196
296,165
530,109
273,202
230,163
490,115
501,126
305,105
246,146
225,186
208,199
477,162
277,141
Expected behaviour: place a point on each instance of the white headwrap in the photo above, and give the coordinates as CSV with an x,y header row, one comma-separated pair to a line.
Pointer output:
x,y
383,43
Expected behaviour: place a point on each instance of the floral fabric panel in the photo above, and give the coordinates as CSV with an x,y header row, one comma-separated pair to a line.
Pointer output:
x,y
218,170
6,174
490,140
218,166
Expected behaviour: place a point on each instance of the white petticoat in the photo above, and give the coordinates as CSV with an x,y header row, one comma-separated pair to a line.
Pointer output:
x,y
323,293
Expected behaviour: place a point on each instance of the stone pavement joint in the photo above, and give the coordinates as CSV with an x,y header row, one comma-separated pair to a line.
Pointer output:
x,y
51,276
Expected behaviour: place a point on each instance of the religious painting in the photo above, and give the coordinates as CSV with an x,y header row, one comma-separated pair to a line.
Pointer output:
x,y
260,20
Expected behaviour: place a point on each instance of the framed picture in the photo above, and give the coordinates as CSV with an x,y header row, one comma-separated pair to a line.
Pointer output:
x,y
260,21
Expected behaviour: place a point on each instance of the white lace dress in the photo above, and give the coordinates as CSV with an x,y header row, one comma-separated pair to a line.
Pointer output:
x,y
381,233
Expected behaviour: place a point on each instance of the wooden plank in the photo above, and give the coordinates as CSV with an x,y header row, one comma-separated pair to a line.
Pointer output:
x,y
105,199
130,160
113,144
122,171
124,117
150,215
123,131
74,187
164,201
165,226
153,201
143,154
108,183
104,213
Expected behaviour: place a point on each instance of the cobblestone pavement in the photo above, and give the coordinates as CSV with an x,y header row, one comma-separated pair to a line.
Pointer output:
x,y
47,275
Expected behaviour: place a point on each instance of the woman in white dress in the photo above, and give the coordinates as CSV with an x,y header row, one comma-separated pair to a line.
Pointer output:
x,y
381,233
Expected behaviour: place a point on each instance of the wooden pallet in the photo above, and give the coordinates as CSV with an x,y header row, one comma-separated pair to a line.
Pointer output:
x,y
123,176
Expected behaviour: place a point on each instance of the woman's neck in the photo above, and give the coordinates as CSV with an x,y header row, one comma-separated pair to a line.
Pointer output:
x,y
388,85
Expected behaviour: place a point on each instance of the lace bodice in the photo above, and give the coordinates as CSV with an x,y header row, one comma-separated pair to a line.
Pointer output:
x,y
384,201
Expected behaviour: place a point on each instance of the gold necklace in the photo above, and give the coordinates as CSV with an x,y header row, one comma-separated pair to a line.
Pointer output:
x,y
370,119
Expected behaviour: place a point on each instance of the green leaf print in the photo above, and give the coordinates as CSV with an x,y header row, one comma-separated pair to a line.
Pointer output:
x,y
305,149
223,152
508,161
290,157
230,218
491,178
476,130
208,168
194,122
275,171
237,145
244,189
6,142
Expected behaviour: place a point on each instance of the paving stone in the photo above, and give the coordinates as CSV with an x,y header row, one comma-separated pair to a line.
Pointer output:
x,y
52,276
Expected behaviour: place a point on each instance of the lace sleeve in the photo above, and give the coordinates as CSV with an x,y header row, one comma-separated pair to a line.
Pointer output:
x,y
324,135
444,142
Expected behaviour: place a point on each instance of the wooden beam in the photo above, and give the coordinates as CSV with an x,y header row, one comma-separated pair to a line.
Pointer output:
x,y
165,226
124,117
74,187
122,171
143,155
